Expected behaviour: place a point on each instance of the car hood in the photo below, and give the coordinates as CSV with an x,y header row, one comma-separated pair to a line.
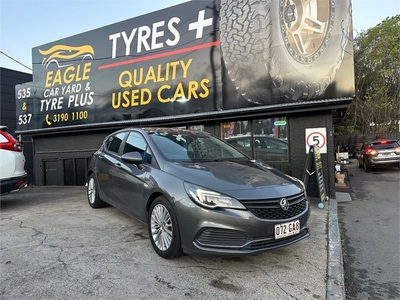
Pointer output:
x,y
239,179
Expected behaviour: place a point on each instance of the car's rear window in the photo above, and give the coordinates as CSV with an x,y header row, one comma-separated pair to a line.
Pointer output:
x,y
382,146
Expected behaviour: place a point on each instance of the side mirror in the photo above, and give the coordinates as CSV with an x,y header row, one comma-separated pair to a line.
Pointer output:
x,y
133,158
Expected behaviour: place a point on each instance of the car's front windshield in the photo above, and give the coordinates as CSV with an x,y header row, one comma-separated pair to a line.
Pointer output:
x,y
191,146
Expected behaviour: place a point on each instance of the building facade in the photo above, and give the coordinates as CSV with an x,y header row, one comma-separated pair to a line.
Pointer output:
x,y
270,83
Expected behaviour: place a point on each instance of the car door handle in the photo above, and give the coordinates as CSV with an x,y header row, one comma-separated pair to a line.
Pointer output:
x,y
118,165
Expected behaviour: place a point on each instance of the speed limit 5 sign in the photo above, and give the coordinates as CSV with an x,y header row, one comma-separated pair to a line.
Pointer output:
x,y
316,136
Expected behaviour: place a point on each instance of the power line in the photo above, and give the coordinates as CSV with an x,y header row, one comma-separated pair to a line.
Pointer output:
x,y
15,60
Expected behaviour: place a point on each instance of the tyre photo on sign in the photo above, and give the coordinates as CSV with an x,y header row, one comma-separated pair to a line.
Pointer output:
x,y
288,49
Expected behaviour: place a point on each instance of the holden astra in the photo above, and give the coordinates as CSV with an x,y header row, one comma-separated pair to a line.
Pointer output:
x,y
196,193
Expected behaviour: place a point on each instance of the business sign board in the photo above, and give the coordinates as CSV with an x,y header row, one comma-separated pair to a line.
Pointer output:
x,y
199,56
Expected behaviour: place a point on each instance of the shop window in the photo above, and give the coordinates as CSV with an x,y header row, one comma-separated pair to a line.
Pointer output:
x,y
196,127
269,142
231,129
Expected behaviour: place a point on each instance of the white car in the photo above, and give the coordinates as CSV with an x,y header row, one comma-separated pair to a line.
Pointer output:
x,y
12,162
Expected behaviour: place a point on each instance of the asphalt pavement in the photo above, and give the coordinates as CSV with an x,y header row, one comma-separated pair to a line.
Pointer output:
x,y
369,225
54,246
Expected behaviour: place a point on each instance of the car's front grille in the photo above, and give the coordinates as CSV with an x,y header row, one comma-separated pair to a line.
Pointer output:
x,y
217,237
270,208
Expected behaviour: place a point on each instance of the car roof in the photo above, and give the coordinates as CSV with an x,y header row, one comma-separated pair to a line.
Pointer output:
x,y
163,130
3,128
169,129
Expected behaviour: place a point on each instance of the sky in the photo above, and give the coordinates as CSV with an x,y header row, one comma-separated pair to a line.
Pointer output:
x,y
25,24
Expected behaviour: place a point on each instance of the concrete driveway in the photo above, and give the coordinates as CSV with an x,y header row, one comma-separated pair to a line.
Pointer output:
x,y
54,246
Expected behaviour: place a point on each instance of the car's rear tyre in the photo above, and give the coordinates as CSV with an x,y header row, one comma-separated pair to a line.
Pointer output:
x,y
358,164
367,167
93,193
164,229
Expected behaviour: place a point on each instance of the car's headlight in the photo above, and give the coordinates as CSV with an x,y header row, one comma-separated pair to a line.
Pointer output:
x,y
210,199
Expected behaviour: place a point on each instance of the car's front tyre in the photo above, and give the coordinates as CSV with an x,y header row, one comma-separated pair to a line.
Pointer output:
x,y
164,229
93,193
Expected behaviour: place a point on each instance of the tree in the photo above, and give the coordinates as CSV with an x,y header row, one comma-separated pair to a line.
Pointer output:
x,y
376,107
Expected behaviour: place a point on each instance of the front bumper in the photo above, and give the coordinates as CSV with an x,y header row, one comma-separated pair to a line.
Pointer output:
x,y
232,232
249,245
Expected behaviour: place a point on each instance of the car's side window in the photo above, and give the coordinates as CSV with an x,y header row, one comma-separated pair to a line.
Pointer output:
x,y
277,144
136,143
244,143
113,143
258,143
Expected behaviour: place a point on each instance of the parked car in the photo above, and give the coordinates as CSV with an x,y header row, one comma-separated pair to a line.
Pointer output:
x,y
267,148
12,163
196,193
378,153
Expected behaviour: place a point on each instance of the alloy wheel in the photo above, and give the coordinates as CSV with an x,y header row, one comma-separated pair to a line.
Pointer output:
x,y
161,227
91,190
306,24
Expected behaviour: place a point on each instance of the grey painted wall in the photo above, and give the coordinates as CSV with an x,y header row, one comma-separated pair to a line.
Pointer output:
x,y
297,144
56,148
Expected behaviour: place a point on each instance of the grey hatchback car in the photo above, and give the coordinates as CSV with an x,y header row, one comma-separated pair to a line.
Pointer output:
x,y
196,193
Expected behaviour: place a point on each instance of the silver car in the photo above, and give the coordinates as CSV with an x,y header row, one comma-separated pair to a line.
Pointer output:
x,y
378,153
196,193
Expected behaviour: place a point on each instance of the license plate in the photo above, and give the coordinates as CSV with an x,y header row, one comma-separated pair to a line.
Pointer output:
x,y
386,154
287,229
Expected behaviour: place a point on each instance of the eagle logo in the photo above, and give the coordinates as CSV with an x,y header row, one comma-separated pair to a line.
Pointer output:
x,y
64,55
